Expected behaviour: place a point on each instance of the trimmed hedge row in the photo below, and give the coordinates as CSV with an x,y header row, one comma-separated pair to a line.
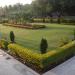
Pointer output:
x,y
64,19
27,26
47,20
59,55
4,44
26,54
43,60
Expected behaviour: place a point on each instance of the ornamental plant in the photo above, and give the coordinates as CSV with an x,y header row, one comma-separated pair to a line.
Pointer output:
x,y
6,45
42,61
12,37
74,34
43,46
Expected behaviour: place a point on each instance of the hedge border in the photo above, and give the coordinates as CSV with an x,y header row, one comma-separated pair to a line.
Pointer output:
x,y
43,61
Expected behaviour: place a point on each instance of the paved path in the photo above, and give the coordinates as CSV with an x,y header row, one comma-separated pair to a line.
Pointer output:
x,y
10,66
67,68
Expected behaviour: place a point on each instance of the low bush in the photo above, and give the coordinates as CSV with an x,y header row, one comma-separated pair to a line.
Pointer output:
x,y
74,35
64,41
47,20
0,45
4,44
38,26
43,46
26,26
12,37
38,20
57,56
43,61
26,54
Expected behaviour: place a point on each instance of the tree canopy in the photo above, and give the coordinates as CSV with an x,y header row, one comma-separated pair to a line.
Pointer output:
x,y
38,8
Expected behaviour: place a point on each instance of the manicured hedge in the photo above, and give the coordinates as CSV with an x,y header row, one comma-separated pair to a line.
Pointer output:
x,y
47,20
26,26
26,54
43,60
38,20
59,55
4,44
38,26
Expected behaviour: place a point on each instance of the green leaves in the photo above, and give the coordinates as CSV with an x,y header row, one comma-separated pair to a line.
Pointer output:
x,y
12,37
43,46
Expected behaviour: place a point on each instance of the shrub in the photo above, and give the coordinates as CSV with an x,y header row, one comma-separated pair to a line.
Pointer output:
x,y
27,26
38,26
0,44
51,20
64,41
43,46
47,20
59,55
42,61
4,44
74,34
38,20
59,20
12,37
26,54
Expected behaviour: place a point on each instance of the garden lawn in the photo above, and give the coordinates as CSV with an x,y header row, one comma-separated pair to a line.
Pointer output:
x,y
28,38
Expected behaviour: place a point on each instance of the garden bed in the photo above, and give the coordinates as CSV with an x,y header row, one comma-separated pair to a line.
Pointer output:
x,y
26,26
42,62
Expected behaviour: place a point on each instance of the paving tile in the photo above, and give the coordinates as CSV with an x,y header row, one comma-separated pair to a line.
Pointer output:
x,y
13,67
67,68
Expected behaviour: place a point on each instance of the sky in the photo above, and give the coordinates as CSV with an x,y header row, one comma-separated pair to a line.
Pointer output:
x,y
12,2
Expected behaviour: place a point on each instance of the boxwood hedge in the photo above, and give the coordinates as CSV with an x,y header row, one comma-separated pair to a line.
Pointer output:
x,y
43,60
59,55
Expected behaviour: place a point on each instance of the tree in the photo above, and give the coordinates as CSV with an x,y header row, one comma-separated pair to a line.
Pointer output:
x,y
43,46
41,8
12,37
38,9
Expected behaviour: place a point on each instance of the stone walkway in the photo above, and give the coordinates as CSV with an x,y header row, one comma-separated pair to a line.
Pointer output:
x,y
10,66
67,68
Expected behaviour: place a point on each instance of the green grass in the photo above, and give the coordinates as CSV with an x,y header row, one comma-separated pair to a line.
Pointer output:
x,y
31,38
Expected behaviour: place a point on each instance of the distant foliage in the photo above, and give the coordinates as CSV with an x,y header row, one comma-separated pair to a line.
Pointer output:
x,y
22,14
43,46
12,37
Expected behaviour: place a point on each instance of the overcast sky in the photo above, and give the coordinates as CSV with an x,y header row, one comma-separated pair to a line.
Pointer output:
x,y
12,2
